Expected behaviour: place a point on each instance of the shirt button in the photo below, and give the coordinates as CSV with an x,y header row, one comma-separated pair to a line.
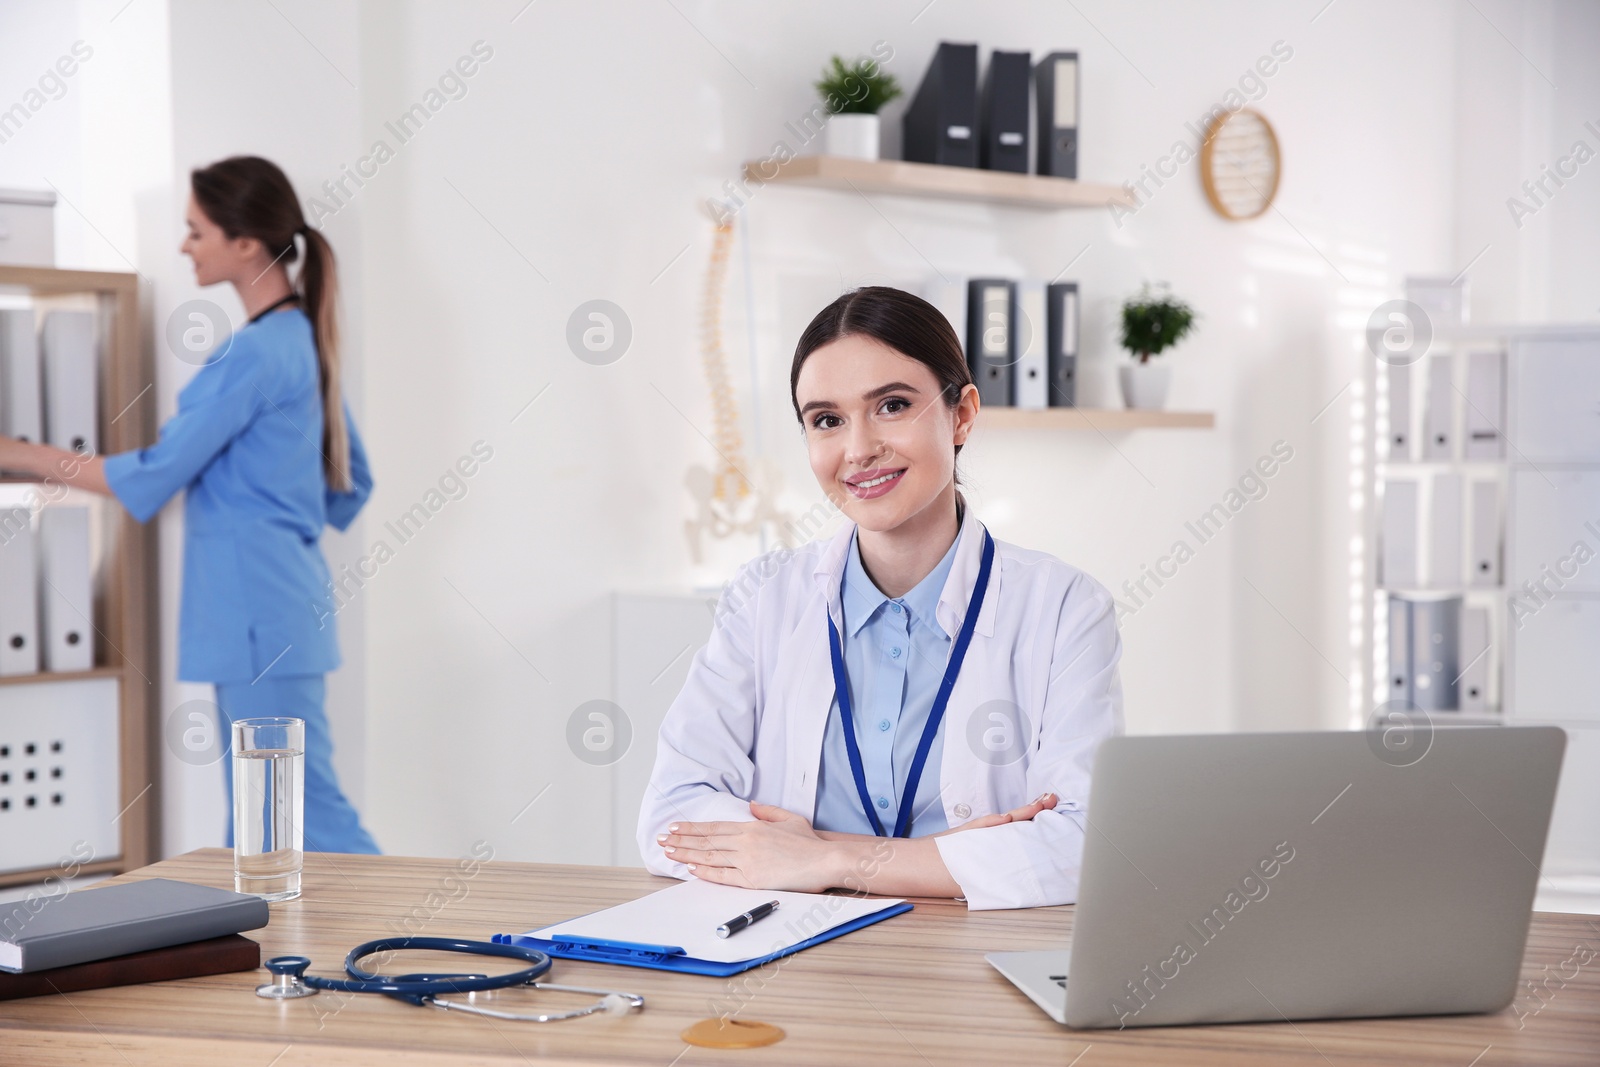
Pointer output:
x,y
963,811
894,653
894,607
883,802
883,724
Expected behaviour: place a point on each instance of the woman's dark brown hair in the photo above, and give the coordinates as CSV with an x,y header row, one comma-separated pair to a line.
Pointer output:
x,y
893,317
247,196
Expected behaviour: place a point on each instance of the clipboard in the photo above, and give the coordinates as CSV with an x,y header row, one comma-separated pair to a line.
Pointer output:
x,y
663,913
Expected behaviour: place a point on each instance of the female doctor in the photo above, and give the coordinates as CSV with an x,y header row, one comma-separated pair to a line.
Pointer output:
x,y
910,707
268,455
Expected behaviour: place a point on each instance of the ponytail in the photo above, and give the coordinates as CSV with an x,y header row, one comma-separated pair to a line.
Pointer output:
x,y
248,196
319,296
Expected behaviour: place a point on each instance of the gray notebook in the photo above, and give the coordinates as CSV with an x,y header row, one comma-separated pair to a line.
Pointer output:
x,y
96,924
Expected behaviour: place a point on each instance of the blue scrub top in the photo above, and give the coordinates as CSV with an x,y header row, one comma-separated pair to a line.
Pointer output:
x,y
246,444
895,653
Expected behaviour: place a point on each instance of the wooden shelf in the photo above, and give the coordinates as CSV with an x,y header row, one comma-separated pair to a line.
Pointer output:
x,y
930,180
1102,419
126,620
107,865
61,676
1423,466
1439,590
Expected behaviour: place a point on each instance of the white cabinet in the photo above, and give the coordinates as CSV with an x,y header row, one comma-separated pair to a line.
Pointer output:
x,y
1555,400
1570,856
1553,588
1556,664
1555,530
60,776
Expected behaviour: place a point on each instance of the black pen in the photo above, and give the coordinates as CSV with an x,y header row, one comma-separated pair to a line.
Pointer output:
x,y
739,922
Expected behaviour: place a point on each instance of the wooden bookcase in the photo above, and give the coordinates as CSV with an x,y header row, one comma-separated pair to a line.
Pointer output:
x,y
125,614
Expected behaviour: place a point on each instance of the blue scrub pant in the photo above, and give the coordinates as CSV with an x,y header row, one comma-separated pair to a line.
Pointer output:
x,y
331,822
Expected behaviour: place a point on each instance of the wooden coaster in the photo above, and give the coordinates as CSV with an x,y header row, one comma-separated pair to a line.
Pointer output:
x,y
732,1033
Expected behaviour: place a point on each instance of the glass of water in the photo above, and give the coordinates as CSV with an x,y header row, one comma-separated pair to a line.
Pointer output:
x,y
269,757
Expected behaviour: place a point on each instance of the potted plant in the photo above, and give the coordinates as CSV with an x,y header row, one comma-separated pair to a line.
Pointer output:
x,y
1152,322
853,93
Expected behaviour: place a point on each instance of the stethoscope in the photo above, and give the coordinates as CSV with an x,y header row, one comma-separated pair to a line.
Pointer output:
x,y
291,982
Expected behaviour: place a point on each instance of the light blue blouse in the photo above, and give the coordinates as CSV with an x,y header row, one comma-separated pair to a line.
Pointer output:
x,y
895,654
246,443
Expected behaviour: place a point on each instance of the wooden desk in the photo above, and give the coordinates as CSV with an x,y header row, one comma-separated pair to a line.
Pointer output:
x,y
912,990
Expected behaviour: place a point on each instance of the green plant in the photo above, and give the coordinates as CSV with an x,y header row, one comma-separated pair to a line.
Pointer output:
x,y
1154,321
859,89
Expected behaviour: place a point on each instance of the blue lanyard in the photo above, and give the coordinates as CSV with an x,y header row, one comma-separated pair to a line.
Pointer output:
x,y
841,688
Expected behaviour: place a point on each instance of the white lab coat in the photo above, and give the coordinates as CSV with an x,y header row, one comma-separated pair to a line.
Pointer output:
x,y
748,724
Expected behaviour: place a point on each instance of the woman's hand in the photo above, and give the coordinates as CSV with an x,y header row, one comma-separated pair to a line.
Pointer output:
x,y
1022,814
14,454
780,850
54,464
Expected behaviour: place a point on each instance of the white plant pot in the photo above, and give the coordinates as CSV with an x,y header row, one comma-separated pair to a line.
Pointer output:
x,y
1144,385
853,136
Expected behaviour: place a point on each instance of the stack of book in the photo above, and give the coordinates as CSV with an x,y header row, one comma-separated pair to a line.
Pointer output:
x,y
148,931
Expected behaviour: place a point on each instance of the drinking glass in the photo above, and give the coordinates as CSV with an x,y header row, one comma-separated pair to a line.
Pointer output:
x,y
269,758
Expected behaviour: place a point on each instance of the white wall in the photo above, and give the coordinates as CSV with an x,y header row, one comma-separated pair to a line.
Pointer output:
x,y
490,628
1528,88
575,167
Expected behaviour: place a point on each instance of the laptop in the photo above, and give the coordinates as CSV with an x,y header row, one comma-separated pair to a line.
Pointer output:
x,y
1268,877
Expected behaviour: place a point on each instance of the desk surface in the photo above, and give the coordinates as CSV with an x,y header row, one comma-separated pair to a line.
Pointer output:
x,y
912,990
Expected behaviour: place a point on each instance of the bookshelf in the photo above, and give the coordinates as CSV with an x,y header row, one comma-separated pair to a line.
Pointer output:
x,y
1541,591
125,614
1441,400
1417,425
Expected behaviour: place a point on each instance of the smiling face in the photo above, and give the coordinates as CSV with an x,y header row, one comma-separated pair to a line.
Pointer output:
x,y
218,257
881,439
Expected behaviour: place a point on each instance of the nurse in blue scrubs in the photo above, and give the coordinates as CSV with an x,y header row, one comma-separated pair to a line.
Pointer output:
x,y
267,453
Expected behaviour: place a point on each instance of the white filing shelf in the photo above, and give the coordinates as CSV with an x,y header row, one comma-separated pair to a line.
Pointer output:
x,y
1545,665
105,716
1426,471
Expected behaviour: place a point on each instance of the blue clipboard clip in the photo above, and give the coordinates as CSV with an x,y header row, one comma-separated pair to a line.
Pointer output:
x,y
599,949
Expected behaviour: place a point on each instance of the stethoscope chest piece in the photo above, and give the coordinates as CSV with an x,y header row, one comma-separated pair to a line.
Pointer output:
x,y
287,983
